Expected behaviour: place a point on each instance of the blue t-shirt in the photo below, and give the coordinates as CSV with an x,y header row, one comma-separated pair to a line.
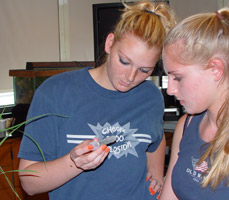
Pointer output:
x,y
135,117
186,176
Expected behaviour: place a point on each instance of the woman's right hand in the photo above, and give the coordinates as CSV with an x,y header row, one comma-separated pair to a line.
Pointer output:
x,y
86,159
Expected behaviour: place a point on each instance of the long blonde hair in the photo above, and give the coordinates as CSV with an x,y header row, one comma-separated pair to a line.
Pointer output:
x,y
204,36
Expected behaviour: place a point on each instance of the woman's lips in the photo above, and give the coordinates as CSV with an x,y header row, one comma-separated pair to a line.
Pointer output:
x,y
124,84
180,100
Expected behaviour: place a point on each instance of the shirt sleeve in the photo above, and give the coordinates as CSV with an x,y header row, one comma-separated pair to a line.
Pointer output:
x,y
157,129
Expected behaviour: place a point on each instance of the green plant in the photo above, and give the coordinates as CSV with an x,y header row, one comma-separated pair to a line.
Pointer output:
x,y
3,110
10,131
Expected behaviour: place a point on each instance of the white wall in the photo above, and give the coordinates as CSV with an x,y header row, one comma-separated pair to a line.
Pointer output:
x,y
81,29
30,31
185,8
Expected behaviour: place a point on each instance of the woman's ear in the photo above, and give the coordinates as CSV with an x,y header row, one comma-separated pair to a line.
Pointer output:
x,y
109,42
217,68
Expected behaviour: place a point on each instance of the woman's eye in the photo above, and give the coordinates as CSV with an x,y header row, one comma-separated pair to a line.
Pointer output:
x,y
123,61
146,71
177,78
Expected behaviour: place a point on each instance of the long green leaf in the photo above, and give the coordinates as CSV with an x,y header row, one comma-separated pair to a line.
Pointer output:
x,y
41,152
13,129
3,110
17,170
16,127
9,182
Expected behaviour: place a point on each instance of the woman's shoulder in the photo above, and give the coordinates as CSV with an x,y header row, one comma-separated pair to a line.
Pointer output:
x,y
69,75
64,79
181,122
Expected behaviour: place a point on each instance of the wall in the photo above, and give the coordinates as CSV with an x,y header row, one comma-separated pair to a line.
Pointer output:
x,y
185,8
30,31
82,29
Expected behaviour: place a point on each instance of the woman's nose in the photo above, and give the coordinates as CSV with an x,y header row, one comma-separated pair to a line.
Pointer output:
x,y
171,89
131,74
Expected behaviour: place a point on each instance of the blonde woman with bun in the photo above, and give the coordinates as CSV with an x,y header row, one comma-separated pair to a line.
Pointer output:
x,y
113,99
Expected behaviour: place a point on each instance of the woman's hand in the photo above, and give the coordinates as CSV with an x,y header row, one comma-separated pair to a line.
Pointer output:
x,y
86,159
155,185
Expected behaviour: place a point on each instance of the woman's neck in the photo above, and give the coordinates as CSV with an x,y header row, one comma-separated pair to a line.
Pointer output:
x,y
100,76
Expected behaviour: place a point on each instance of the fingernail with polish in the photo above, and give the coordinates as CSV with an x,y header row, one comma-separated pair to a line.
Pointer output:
x,y
147,179
150,189
90,147
107,149
152,192
103,147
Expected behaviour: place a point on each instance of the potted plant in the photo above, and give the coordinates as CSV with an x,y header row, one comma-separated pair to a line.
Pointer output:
x,y
6,132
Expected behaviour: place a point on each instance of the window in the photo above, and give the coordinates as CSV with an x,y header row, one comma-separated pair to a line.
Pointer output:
x,y
6,98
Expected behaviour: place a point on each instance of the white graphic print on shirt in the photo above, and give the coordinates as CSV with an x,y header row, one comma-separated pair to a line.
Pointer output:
x,y
126,138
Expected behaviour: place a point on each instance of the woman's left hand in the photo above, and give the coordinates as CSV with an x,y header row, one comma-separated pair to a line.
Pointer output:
x,y
155,185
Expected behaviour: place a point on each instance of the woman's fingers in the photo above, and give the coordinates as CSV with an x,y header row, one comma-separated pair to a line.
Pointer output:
x,y
155,186
95,158
86,159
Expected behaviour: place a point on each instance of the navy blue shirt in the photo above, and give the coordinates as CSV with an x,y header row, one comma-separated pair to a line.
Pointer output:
x,y
134,117
186,176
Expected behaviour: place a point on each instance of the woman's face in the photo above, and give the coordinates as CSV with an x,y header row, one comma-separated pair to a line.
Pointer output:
x,y
129,62
192,85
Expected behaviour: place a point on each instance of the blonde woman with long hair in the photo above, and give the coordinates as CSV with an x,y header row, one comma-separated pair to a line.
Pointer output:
x,y
196,59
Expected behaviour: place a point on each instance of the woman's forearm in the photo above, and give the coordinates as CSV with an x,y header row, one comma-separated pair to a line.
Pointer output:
x,y
157,168
48,176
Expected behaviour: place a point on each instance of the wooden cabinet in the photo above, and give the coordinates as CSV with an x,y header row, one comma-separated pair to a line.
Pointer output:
x,y
8,153
8,162
169,138
169,128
